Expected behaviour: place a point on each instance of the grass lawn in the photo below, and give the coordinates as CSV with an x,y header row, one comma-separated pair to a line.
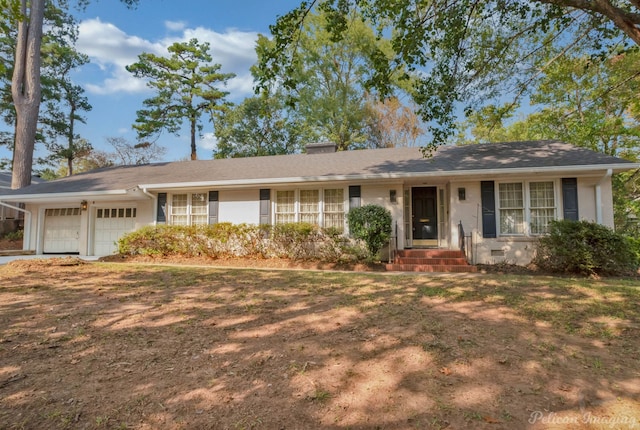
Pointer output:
x,y
95,345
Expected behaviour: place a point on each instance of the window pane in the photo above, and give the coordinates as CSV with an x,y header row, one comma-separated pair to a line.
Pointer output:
x,y
334,209
540,219
511,195
179,204
512,221
309,206
542,195
285,207
199,207
511,202
543,208
179,209
179,220
334,200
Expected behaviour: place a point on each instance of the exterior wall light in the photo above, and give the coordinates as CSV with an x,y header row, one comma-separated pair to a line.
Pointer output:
x,y
462,194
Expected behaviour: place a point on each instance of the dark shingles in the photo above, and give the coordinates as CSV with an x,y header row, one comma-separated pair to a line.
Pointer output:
x,y
377,162
5,180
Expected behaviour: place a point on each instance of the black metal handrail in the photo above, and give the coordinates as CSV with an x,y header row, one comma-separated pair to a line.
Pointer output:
x,y
465,243
393,243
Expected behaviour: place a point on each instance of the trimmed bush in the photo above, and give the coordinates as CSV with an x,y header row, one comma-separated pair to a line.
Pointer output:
x,y
585,248
371,224
297,241
14,235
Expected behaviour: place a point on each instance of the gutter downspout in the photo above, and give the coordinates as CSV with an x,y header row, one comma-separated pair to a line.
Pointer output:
x,y
599,195
155,203
27,223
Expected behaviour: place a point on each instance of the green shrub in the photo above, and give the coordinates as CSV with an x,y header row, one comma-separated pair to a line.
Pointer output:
x,y
634,242
371,224
14,235
585,248
294,240
154,240
298,241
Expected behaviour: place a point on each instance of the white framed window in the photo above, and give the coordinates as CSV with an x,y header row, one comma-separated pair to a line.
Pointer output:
x,y
179,209
322,207
526,208
189,209
333,209
310,206
542,203
511,201
285,210
199,207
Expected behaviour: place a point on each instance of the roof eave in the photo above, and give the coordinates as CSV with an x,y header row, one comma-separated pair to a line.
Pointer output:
x,y
53,196
138,190
616,168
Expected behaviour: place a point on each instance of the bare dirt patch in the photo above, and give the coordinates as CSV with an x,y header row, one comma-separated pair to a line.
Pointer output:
x,y
263,263
95,345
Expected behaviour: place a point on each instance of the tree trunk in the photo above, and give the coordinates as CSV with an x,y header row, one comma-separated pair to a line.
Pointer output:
x,y
71,154
194,156
26,90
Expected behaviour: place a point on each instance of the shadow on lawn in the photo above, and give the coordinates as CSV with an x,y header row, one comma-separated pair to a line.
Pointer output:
x,y
98,346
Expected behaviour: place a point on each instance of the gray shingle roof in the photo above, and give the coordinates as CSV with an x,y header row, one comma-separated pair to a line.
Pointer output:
x,y
5,180
376,163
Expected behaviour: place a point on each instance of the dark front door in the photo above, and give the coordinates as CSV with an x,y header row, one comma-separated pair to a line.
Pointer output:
x,y
425,210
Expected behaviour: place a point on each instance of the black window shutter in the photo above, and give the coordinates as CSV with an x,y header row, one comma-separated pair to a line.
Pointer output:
x,y
570,198
161,212
265,206
354,196
488,197
213,207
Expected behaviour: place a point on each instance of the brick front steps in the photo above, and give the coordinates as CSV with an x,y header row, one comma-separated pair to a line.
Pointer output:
x,y
431,260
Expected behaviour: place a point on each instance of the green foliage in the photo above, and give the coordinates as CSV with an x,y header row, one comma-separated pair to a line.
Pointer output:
x,y
587,102
14,235
297,241
260,125
186,86
371,224
62,100
462,51
326,88
24,21
634,243
586,248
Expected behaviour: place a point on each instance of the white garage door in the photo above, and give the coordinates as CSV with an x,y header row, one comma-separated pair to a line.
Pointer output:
x,y
110,224
61,230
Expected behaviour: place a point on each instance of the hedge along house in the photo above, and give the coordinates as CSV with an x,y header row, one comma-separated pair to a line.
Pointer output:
x,y
503,195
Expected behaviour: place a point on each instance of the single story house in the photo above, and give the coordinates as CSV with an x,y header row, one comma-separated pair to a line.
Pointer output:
x,y
503,195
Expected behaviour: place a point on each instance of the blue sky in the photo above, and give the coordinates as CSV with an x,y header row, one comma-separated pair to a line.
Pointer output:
x,y
113,37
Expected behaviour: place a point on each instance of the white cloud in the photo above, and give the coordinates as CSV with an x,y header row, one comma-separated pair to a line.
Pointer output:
x,y
111,49
208,141
175,25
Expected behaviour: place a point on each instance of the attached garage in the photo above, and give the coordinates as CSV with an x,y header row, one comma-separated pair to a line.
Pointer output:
x,y
110,224
61,231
